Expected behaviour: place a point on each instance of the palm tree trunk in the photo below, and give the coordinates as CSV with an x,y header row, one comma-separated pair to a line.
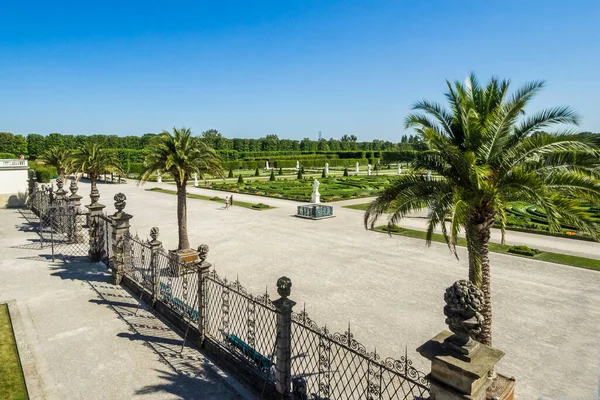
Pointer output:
x,y
184,243
478,238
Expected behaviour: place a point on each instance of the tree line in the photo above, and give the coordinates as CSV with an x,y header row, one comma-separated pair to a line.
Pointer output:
x,y
34,145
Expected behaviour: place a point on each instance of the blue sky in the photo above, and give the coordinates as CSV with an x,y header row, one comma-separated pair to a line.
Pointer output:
x,y
293,68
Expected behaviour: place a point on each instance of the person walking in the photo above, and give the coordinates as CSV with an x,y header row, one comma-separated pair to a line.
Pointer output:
x,y
231,201
226,202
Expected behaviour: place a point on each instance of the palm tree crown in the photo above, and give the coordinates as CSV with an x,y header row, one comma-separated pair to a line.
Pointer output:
x,y
94,161
58,157
181,155
486,153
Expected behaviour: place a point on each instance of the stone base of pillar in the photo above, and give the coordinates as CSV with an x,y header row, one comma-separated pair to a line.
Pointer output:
x,y
315,198
184,258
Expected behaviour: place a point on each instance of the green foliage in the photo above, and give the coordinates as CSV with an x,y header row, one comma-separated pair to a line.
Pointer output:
x,y
345,171
272,177
12,384
8,155
44,173
523,250
93,160
299,176
14,144
240,180
302,169
256,172
323,174
230,175
260,206
58,157
280,171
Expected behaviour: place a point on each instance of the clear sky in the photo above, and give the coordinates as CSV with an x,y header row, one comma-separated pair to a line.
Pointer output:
x,y
293,68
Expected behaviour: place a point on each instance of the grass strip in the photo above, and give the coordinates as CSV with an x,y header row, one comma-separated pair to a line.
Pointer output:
x,y
12,382
236,203
557,258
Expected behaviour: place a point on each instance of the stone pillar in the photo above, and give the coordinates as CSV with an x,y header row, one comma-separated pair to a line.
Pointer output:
x,y
357,167
155,246
30,187
369,169
120,231
203,269
326,168
97,244
73,205
460,366
266,165
283,351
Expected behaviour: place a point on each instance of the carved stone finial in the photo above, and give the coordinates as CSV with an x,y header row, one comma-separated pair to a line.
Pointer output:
x,y
120,202
95,195
59,183
73,187
31,174
284,286
463,311
154,233
202,252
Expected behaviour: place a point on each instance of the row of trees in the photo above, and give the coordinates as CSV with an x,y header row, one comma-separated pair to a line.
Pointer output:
x,y
34,145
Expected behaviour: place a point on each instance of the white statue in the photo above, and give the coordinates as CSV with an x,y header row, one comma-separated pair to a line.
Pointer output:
x,y
267,165
326,168
357,167
428,175
195,179
399,169
316,197
158,177
297,165
369,169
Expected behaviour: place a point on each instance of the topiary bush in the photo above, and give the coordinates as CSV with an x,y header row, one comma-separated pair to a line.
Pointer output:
x,y
260,206
230,175
523,251
280,171
272,177
323,174
256,173
44,173
299,175
240,179
345,171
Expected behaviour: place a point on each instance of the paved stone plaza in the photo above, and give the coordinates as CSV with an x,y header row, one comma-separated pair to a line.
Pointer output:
x,y
546,316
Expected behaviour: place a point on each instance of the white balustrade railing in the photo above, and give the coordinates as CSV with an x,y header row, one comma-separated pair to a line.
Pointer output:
x,y
12,163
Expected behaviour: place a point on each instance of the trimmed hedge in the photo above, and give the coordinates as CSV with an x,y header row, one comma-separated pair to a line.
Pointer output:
x,y
44,173
7,155
523,251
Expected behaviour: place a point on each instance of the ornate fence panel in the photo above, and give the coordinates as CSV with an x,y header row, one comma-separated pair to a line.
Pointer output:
x,y
178,285
105,224
137,261
336,366
240,322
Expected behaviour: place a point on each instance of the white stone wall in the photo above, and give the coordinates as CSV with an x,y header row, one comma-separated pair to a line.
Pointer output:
x,y
13,187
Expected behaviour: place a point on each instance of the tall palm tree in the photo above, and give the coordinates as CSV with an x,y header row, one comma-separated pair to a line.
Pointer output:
x,y
181,155
58,157
94,160
487,152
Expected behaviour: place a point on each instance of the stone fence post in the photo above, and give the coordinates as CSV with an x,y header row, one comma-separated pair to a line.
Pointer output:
x,y
203,269
97,245
73,205
120,231
30,187
283,349
155,246
460,366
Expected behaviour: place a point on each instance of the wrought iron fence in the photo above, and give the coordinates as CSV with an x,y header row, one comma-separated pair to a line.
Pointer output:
x,y
105,224
336,366
240,322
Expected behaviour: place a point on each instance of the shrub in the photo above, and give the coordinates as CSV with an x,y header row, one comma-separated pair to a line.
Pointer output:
x,y
240,179
280,171
299,174
260,206
302,169
7,155
523,251
345,171
323,175
230,175
272,177
44,173
216,198
256,173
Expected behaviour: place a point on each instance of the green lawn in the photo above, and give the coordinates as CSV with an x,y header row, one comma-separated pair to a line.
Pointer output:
x,y
558,258
236,203
12,383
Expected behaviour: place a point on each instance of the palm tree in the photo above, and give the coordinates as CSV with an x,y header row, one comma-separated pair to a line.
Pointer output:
x,y
94,160
181,155
58,157
487,153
